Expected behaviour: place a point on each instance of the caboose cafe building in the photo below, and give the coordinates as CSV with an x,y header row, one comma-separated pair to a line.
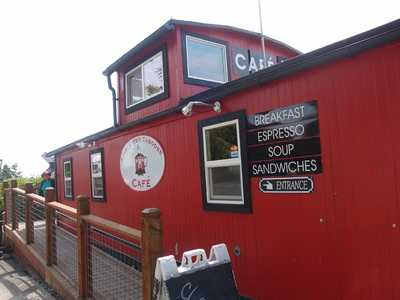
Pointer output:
x,y
290,159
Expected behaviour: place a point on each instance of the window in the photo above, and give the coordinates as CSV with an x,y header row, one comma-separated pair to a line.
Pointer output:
x,y
205,61
224,163
68,189
97,174
147,82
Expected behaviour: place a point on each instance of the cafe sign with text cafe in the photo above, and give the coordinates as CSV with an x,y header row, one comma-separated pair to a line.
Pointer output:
x,y
285,141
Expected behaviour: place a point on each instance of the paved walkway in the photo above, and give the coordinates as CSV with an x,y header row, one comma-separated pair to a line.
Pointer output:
x,y
16,283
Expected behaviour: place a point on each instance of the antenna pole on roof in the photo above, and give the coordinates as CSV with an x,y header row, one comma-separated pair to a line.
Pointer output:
x,y
262,35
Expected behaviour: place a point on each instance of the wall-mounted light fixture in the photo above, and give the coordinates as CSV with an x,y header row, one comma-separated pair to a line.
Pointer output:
x,y
82,144
187,110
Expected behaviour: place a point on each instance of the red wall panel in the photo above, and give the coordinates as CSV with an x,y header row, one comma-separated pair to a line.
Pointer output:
x,y
339,242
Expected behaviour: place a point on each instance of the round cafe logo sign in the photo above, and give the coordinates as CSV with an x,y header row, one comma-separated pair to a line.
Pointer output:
x,y
142,163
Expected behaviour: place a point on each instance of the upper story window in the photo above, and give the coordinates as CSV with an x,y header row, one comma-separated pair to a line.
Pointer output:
x,y
147,82
205,61
68,188
224,163
97,174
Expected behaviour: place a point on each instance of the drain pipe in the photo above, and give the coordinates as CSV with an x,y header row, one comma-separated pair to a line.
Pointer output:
x,y
114,99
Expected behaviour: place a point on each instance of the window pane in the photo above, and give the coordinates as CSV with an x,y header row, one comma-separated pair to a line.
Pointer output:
x,y
135,87
98,189
222,143
67,170
225,182
68,187
153,76
206,60
96,164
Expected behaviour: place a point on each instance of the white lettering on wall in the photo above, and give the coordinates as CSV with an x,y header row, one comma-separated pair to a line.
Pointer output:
x,y
253,65
270,62
289,114
239,64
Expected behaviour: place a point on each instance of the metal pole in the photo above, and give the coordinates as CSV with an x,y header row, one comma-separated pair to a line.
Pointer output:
x,y
262,34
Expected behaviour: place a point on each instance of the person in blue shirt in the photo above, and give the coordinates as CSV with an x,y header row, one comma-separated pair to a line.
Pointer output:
x,y
45,183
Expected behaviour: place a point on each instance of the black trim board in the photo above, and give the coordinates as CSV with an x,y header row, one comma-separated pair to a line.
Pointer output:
x,y
156,98
194,81
370,39
103,174
246,207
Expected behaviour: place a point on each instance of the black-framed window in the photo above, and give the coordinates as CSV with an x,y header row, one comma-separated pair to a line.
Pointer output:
x,y
97,181
224,167
205,60
68,178
147,81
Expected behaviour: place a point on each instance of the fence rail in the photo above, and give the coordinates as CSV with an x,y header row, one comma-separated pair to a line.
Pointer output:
x,y
97,258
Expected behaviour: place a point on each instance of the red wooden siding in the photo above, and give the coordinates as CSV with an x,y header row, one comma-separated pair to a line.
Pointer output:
x,y
338,242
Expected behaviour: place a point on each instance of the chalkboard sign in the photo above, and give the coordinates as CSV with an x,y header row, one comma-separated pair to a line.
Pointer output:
x,y
198,277
215,282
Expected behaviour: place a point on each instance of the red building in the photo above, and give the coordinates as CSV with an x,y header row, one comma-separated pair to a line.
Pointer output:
x,y
294,166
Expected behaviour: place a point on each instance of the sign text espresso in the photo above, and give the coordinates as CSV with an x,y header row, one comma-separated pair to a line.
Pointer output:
x,y
285,141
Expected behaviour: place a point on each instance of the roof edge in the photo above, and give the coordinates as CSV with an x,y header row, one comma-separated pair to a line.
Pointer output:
x,y
166,27
236,29
170,25
375,37
344,48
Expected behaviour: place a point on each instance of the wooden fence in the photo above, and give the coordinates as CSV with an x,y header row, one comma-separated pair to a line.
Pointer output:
x,y
82,256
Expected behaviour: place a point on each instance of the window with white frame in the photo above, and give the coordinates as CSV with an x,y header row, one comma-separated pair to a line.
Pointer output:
x,y
205,60
145,81
224,164
97,174
68,190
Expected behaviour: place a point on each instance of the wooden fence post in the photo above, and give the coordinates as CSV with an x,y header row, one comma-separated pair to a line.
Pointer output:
x,y
5,187
50,195
82,209
151,247
28,214
14,221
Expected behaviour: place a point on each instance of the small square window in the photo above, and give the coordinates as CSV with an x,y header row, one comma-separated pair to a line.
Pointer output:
x,y
225,176
222,142
146,82
225,183
205,61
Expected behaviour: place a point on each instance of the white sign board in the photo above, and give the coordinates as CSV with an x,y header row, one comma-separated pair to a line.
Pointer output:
x,y
142,163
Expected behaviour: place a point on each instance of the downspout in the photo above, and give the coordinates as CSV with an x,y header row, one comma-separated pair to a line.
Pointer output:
x,y
114,99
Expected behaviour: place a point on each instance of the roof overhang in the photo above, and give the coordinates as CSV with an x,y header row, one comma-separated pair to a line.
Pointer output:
x,y
169,26
346,48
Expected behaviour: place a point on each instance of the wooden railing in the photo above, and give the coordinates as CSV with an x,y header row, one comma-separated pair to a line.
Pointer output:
x,y
82,255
